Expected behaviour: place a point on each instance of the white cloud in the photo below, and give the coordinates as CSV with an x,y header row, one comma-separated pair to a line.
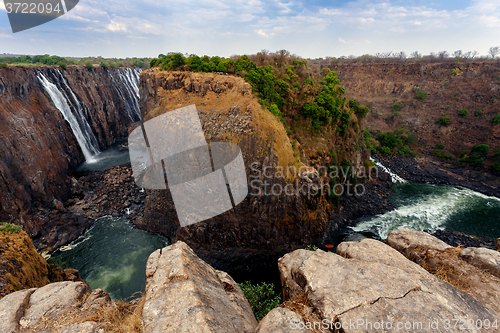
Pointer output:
x,y
342,41
490,21
116,26
5,35
261,33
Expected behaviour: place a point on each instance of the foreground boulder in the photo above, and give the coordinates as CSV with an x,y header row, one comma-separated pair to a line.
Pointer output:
x,y
475,271
370,286
184,294
55,307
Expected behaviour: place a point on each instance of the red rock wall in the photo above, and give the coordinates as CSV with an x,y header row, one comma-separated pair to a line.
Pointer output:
x,y
37,146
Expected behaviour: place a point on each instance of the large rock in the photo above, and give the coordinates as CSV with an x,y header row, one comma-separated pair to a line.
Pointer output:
x,y
405,240
60,307
482,258
184,294
372,282
282,320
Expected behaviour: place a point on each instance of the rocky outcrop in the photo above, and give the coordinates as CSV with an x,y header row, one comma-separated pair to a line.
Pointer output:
x,y
373,283
486,259
184,294
248,240
57,307
365,286
473,270
38,148
21,267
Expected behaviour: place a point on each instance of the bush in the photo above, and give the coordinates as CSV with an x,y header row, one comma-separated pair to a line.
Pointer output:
x,y
421,94
386,150
477,155
462,112
496,119
478,112
444,121
89,66
103,65
439,146
398,106
261,297
3,65
61,64
7,227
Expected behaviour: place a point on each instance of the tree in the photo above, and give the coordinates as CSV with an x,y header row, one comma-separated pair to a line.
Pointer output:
x,y
443,55
493,51
416,55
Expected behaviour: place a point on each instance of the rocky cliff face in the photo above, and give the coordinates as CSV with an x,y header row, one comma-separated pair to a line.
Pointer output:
x,y
451,86
38,147
249,239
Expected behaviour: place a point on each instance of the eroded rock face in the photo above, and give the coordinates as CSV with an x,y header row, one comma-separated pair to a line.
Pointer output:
x,y
248,240
60,307
38,147
373,282
184,294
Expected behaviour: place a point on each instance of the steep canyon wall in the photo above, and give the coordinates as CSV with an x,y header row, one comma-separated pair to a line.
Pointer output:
x,y
38,147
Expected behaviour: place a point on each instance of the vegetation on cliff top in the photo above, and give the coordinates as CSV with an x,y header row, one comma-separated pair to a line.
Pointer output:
x,y
54,60
308,100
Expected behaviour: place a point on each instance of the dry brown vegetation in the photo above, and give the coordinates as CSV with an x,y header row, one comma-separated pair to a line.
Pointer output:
x,y
21,266
447,266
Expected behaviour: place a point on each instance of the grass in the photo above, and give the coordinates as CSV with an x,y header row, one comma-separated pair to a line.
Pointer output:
x,y
261,297
11,228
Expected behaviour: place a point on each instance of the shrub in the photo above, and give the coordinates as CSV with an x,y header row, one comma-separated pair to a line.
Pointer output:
x,y
7,227
439,146
386,150
3,65
478,112
89,66
421,94
477,155
398,106
456,71
103,65
495,166
261,297
462,112
444,121
496,119
274,110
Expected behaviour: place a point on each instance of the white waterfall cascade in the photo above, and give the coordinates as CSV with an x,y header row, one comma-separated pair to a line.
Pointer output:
x,y
128,90
83,134
394,177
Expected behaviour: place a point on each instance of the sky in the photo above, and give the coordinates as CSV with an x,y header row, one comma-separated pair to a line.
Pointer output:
x,y
311,29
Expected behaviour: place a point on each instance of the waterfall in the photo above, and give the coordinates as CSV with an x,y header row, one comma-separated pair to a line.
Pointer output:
x,y
394,177
80,127
127,86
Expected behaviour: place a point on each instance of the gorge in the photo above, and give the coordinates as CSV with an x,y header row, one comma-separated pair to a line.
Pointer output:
x,y
54,119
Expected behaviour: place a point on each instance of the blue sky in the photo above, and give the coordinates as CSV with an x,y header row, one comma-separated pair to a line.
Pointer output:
x,y
317,28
